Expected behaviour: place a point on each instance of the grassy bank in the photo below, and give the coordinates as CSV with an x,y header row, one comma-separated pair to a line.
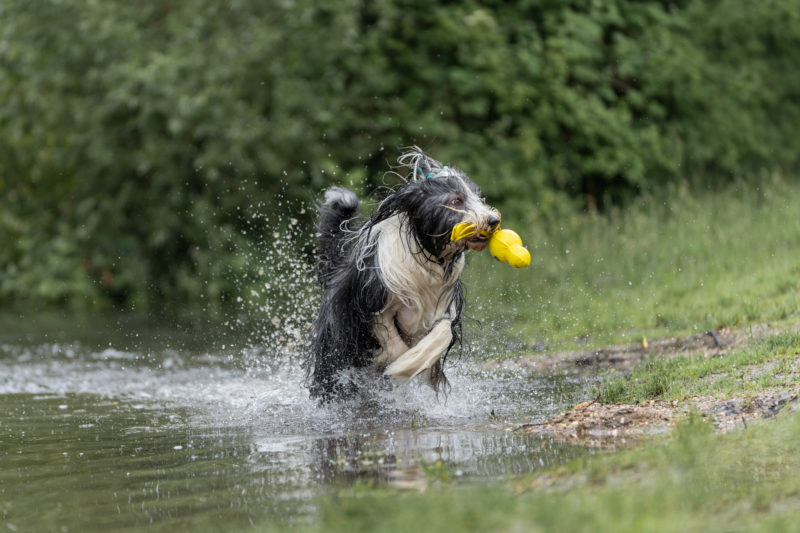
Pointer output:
x,y
767,363
681,262
695,481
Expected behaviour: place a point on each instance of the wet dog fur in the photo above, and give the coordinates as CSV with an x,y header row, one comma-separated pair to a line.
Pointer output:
x,y
392,297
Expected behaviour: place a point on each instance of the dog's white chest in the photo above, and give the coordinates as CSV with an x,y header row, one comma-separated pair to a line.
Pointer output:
x,y
419,289
414,322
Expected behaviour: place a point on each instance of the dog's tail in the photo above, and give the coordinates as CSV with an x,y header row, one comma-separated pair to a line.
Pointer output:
x,y
341,206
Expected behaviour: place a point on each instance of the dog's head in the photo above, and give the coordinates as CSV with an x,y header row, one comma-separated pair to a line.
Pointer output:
x,y
434,199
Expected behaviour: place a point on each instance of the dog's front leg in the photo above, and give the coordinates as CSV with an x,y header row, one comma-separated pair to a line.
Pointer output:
x,y
425,353
392,344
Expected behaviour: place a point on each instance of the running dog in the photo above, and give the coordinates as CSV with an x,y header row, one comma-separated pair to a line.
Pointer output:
x,y
391,291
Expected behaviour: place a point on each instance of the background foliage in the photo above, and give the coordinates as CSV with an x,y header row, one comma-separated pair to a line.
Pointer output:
x,y
144,145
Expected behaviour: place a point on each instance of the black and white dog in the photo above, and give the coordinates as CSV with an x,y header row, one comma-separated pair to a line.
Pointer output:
x,y
392,296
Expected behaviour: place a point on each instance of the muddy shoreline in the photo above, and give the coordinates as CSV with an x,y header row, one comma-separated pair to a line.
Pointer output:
x,y
596,424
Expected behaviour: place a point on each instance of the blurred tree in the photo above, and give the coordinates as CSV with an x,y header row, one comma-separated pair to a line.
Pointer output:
x,y
141,143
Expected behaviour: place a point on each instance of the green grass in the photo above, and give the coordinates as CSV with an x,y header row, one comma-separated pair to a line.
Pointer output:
x,y
672,264
679,377
694,481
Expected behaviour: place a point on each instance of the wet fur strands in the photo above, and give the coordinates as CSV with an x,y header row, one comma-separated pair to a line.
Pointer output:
x,y
391,289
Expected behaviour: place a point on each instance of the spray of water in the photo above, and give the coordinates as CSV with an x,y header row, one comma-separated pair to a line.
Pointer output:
x,y
278,292
261,383
280,298
243,407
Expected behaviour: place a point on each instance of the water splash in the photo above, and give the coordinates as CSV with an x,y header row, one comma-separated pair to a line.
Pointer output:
x,y
240,418
279,292
237,415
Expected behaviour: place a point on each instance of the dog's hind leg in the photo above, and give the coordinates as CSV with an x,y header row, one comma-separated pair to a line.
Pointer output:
x,y
424,354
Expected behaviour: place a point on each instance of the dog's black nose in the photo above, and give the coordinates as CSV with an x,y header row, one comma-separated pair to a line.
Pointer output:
x,y
492,222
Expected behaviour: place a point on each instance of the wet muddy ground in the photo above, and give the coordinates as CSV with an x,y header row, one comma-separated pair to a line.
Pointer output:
x,y
595,424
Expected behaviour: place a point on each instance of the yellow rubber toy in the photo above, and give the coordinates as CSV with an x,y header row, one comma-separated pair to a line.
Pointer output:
x,y
505,244
462,231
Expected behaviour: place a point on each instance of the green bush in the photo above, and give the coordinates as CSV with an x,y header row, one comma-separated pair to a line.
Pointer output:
x,y
142,143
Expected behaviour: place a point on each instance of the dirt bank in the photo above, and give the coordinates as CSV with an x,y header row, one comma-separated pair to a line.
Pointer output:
x,y
626,355
596,424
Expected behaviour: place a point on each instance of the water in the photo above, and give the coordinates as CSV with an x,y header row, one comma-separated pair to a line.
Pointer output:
x,y
115,423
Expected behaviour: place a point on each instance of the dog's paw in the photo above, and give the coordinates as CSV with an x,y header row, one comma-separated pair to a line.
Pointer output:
x,y
424,355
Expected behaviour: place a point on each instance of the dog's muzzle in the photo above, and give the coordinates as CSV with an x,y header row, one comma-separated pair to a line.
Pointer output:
x,y
474,238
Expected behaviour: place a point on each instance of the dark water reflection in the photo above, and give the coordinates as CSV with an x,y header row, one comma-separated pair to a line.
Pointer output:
x,y
115,433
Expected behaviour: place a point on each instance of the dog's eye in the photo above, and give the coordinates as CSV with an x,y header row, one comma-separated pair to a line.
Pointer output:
x,y
456,202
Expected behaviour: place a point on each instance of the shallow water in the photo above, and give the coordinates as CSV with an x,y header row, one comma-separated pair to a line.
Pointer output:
x,y
123,424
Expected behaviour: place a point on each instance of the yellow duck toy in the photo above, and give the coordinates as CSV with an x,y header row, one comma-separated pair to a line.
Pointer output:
x,y
504,245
